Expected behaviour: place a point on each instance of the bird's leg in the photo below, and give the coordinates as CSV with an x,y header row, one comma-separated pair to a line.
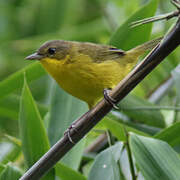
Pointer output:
x,y
109,99
73,127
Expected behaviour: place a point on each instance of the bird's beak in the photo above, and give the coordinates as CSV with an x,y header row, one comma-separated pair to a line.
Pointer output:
x,y
34,56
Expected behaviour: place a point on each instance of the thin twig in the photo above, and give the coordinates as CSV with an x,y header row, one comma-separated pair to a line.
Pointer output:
x,y
85,123
155,18
151,108
166,16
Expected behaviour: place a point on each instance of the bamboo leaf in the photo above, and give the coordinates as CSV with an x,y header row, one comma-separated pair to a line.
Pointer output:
x,y
106,164
16,80
65,173
10,172
8,152
64,110
152,118
171,134
2,167
117,128
9,107
155,158
126,37
33,134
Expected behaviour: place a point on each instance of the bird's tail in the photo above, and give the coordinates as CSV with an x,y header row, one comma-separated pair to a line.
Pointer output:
x,y
141,49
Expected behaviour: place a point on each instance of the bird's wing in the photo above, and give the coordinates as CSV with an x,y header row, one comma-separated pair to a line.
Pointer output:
x,y
108,53
100,53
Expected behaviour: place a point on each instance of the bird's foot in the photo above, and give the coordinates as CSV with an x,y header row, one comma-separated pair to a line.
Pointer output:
x,y
109,99
73,127
68,131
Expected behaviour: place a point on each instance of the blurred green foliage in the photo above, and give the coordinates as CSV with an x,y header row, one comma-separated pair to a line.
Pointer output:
x,y
46,110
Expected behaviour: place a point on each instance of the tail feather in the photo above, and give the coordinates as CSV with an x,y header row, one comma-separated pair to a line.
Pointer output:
x,y
147,46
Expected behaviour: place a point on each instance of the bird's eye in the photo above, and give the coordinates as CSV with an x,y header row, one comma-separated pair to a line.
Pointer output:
x,y
51,51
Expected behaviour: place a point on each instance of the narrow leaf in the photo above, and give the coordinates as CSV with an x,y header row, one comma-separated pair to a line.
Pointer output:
x,y
106,164
117,128
149,117
176,78
15,81
8,152
64,110
9,107
10,172
2,167
65,173
155,158
33,134
171,134
126,37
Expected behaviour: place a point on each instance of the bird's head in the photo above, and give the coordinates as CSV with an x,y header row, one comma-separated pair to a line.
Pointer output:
x,y
55,50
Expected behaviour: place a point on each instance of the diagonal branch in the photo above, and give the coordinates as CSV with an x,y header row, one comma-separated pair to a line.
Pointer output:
x,y
167,16
85,123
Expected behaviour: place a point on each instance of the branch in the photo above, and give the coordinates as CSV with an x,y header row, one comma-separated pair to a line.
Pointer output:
x,y
151,108
85,123
167,16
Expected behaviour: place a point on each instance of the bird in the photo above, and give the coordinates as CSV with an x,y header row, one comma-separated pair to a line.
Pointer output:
x,y
86,70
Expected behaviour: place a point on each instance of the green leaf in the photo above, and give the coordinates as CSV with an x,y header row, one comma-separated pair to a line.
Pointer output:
x,y
8,113
155,158
122,118
13,140
73,158
2,167
176,78
33,134
10,172
171,134
149,117
117,128
106,164
15,81
126,37
87,167
43,14
9,107
64,110
8,152
66,173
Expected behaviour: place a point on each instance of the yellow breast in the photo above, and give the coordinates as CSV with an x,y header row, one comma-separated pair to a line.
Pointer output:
x,y
85,79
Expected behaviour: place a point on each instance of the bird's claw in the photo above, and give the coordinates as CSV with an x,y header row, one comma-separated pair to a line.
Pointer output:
x,y
67,132
109,99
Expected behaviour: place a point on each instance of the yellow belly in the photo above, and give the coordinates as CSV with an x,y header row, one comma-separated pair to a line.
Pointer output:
x,y
86,80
